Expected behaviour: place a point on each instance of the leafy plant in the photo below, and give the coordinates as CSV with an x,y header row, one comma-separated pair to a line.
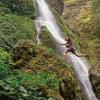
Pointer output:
x,y
5,64
14,28
21,7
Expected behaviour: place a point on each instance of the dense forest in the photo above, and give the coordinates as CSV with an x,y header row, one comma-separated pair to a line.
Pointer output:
x,y
38,72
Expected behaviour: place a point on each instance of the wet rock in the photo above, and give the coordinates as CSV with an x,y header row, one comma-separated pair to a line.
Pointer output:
x,y
58,5
95,80
69,93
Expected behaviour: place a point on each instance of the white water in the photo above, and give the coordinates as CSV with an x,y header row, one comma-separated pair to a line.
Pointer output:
x,y
39,23
79,66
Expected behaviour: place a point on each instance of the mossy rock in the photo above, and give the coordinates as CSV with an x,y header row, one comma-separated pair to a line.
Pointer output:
x,y
23,52
94,75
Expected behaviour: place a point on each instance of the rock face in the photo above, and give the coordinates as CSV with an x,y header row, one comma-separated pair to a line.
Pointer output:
x,y
76,13
79,16
58,5
95,80
66,92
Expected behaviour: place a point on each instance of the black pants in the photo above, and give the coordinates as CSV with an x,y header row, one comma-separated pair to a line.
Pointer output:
x,y
70,50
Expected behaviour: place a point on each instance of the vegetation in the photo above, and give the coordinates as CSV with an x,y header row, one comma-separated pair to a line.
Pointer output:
x,y
13,28
5,64
70,1
20,7
34,72
29,77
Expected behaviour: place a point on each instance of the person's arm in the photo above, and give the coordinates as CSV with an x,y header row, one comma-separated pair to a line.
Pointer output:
x,y
62,43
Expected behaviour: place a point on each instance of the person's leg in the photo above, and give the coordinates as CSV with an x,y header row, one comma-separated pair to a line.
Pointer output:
x,y
78,55
65,54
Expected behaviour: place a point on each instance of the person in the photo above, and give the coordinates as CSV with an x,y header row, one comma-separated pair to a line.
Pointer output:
x,y
70,47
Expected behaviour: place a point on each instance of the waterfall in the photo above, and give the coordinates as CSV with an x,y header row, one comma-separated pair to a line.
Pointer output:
x,y
80,68
39,23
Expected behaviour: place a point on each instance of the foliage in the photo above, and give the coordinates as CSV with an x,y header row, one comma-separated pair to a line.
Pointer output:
x,y
39,79
13,28
5,64
14,89
21,7
4,10
23,85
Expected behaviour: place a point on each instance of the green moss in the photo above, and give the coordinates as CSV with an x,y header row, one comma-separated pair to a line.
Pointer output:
x,y
46,38
60,22
13,28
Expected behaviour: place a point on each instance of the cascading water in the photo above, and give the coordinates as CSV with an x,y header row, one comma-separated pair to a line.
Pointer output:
x,y
39,24
79,67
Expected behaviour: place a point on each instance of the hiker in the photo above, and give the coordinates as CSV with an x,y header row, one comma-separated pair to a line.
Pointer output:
x,y
70,48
